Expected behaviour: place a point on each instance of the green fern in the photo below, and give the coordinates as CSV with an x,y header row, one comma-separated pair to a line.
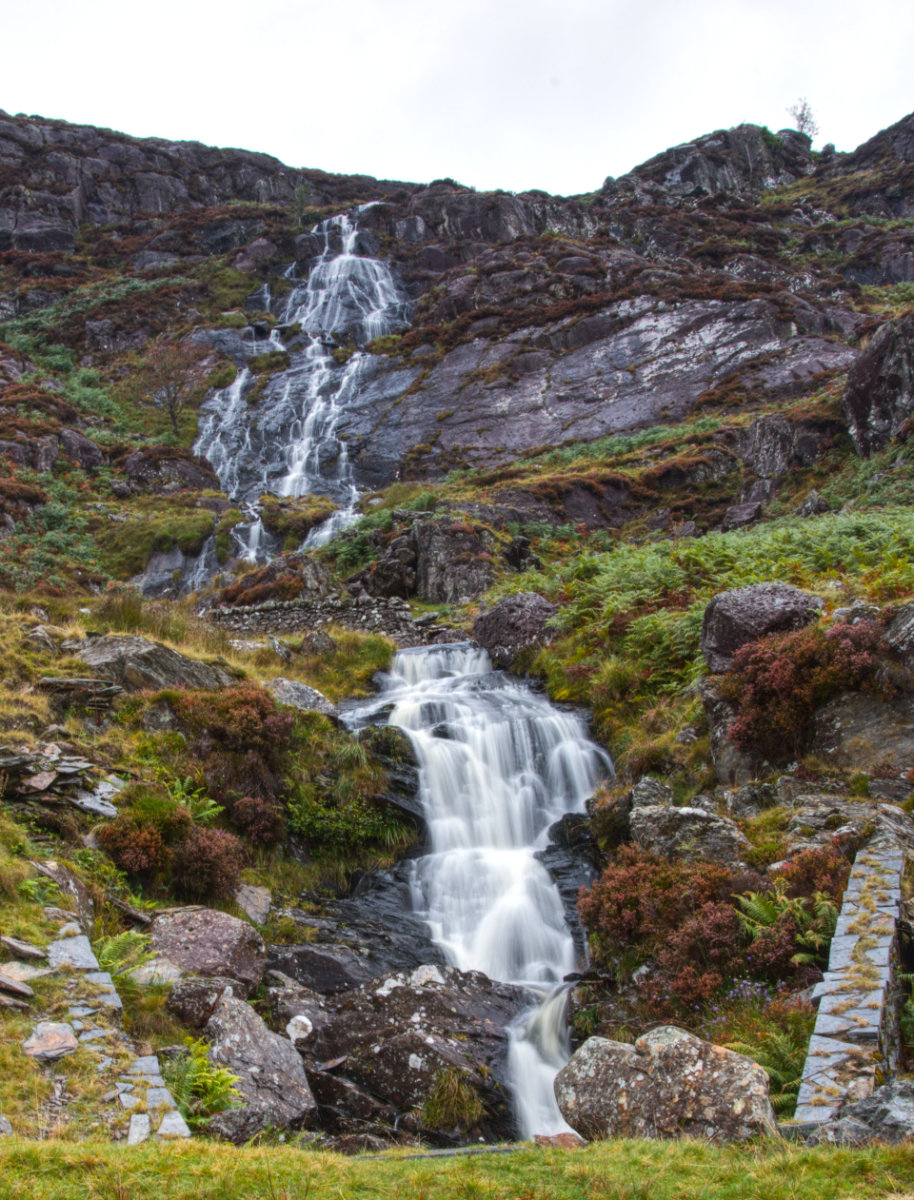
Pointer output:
x,y
200,1088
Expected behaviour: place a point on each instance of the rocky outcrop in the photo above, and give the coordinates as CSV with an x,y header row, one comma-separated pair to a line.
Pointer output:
x,y
160,470
732,765
270,1076
391,1044
514,624
746,614
203,941
878,400
669,1084
687,833
137,664
866,732
441,561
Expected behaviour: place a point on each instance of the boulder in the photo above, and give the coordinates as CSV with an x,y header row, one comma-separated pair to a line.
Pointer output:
x,y
734,618
203,941
514,624
138,664
879,396
194,1000
649,791
669,1084
688,833
254,902
271,1078
299,695
886,1116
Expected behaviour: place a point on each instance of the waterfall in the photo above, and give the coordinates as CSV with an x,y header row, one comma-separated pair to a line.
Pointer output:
x,y
289,444
498,766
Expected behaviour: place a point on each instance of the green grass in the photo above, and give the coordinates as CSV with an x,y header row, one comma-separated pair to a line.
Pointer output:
x,y
623,1170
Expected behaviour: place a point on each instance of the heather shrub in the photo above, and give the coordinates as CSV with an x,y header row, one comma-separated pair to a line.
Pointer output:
x,y
262,822
207,865
777,682
240,738
136,845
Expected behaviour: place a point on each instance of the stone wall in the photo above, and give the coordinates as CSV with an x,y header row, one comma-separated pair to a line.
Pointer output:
x,y
367,613
855,1043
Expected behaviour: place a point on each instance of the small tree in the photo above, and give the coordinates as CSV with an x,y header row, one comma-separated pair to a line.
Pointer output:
x,y
803,118
170,376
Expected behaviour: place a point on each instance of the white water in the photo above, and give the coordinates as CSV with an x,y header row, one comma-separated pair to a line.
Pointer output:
x,y
498,766
289,444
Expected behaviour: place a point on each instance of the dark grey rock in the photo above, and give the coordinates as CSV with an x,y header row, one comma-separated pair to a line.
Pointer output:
x,y
886,1116
514,624
203,941
746,614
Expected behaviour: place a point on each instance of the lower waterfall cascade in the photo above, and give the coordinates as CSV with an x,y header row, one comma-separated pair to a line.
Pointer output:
x,y
498,766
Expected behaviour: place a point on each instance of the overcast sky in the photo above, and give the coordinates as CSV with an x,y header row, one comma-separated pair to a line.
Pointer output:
x,y
554,94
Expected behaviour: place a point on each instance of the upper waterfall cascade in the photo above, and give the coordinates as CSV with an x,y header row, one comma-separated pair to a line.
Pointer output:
x,y
498,766
290,443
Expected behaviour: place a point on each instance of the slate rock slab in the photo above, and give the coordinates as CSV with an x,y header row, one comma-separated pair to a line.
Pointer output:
x,y
136,663
669,1084
50,1040
879,397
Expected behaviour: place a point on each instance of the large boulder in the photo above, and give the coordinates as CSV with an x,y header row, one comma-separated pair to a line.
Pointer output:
x,y
512,625
669,1084
879,397
271,1078
203,941
734,618
687,833
138,664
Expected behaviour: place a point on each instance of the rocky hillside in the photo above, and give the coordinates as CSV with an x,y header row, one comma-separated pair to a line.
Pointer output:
x,y
647,446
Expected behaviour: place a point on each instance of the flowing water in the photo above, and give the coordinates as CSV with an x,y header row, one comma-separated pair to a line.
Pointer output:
x,y
289,443
498,766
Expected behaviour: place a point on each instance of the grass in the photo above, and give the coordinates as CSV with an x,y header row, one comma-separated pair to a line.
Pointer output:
x,y
623,1170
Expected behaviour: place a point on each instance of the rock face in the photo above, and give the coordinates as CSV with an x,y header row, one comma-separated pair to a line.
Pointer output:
x,y
687,833
746,614
271,1078
865,732
442,561
879,397
669,1084
202,941
514,624
136,664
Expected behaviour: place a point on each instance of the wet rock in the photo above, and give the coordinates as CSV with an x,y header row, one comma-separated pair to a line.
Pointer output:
x,y
746,614
295,1010
50,1040
397,1036
393,749
514,624
160,469
572,859
669,1084
136,664
878,400
203,941
688,833
299,695
271,1078
194,1000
